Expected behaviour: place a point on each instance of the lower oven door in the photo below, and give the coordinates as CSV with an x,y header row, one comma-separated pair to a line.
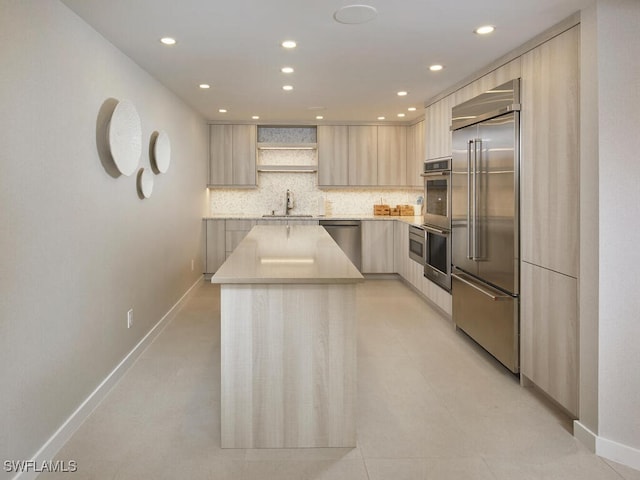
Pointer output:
x,y
416,244
437,265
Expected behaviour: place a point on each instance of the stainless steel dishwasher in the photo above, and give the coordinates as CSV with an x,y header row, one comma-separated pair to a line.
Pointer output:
x,y
347,234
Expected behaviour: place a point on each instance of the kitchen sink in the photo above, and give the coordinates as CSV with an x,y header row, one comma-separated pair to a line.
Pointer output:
x,y
269,215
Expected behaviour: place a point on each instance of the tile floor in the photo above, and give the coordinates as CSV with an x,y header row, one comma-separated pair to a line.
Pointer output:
x,y
431,404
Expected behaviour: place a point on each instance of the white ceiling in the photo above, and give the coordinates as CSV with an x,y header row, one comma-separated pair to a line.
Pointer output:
x,y
352,71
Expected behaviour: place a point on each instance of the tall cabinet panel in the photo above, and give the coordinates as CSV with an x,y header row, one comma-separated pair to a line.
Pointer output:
x,y
415,154
549,217
550,154
363,155
333,155
392,154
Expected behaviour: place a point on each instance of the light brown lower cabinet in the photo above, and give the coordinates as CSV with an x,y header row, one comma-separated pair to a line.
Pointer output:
x,y
549,333
214,245
378,246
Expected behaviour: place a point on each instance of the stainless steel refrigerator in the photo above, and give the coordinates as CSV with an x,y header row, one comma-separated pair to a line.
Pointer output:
x,y
485,221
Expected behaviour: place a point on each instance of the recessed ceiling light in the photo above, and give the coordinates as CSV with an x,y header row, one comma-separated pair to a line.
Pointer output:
x,y
289,44
287,87
319,117
402,94
401,115
168,40
355,14
204,86
436,68
484,30
380,118
286,70
255,117
412,109
222,110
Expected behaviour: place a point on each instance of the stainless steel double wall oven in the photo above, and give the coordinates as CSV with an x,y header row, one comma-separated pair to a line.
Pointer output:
x,y
437,221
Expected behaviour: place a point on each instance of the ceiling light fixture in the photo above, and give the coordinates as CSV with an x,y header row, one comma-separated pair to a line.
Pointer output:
x,y
436,68
289,44
484,30
412,109
287,87
286,70
255,117
168,40
355,14
380,118
319,117
222,110
402,94
401,115
204,86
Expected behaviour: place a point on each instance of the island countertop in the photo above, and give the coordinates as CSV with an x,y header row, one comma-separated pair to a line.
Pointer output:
x,y
287,254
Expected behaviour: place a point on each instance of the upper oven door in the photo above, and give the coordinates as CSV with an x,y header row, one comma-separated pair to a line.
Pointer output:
x,y
437,209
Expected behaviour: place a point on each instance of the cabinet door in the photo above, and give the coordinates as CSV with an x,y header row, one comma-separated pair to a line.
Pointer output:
x,y
415,154
378,246
333,155
549,333
220,155
363,155
244,154
392,155
550,154
437,128
215,245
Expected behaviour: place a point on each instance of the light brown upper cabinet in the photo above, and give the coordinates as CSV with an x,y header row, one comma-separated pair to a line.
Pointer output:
x,y
363,155
415,154
500,75
550,126
333,155
392,154
437,128
232,155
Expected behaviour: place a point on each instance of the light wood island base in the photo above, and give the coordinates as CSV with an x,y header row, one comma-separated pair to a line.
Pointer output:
x,y
288,366
288,341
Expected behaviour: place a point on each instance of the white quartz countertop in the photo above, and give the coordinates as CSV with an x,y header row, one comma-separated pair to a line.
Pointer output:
x,y
287,254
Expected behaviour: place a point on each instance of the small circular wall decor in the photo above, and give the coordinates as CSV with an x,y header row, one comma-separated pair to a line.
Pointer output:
x,y
162,152
145,182
125,137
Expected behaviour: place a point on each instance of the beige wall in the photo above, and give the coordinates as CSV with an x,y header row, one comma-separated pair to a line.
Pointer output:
x,y
610,229
78,248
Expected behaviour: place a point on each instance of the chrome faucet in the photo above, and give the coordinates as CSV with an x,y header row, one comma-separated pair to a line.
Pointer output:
x,y
288,202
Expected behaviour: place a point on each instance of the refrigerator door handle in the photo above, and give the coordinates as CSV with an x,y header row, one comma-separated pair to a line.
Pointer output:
x,y
469,232
474,251
496,297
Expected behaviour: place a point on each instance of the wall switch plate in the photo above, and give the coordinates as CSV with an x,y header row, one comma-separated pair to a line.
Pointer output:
x,y
130,318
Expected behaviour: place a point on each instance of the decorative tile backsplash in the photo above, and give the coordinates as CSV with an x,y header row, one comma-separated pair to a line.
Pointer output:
x,y
308,198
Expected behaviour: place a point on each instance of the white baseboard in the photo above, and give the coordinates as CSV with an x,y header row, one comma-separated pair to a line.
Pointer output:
x,y
68,428
614,451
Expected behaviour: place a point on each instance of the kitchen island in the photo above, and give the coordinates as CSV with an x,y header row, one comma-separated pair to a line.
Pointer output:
x,y
288,341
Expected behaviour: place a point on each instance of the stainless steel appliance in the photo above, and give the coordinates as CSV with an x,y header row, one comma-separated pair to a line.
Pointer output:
x,y
348,235
437,221
437,264
417,246
485,220
437,192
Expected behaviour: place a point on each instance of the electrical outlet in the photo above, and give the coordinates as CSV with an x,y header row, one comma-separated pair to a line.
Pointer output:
x,y
130,318
193,264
